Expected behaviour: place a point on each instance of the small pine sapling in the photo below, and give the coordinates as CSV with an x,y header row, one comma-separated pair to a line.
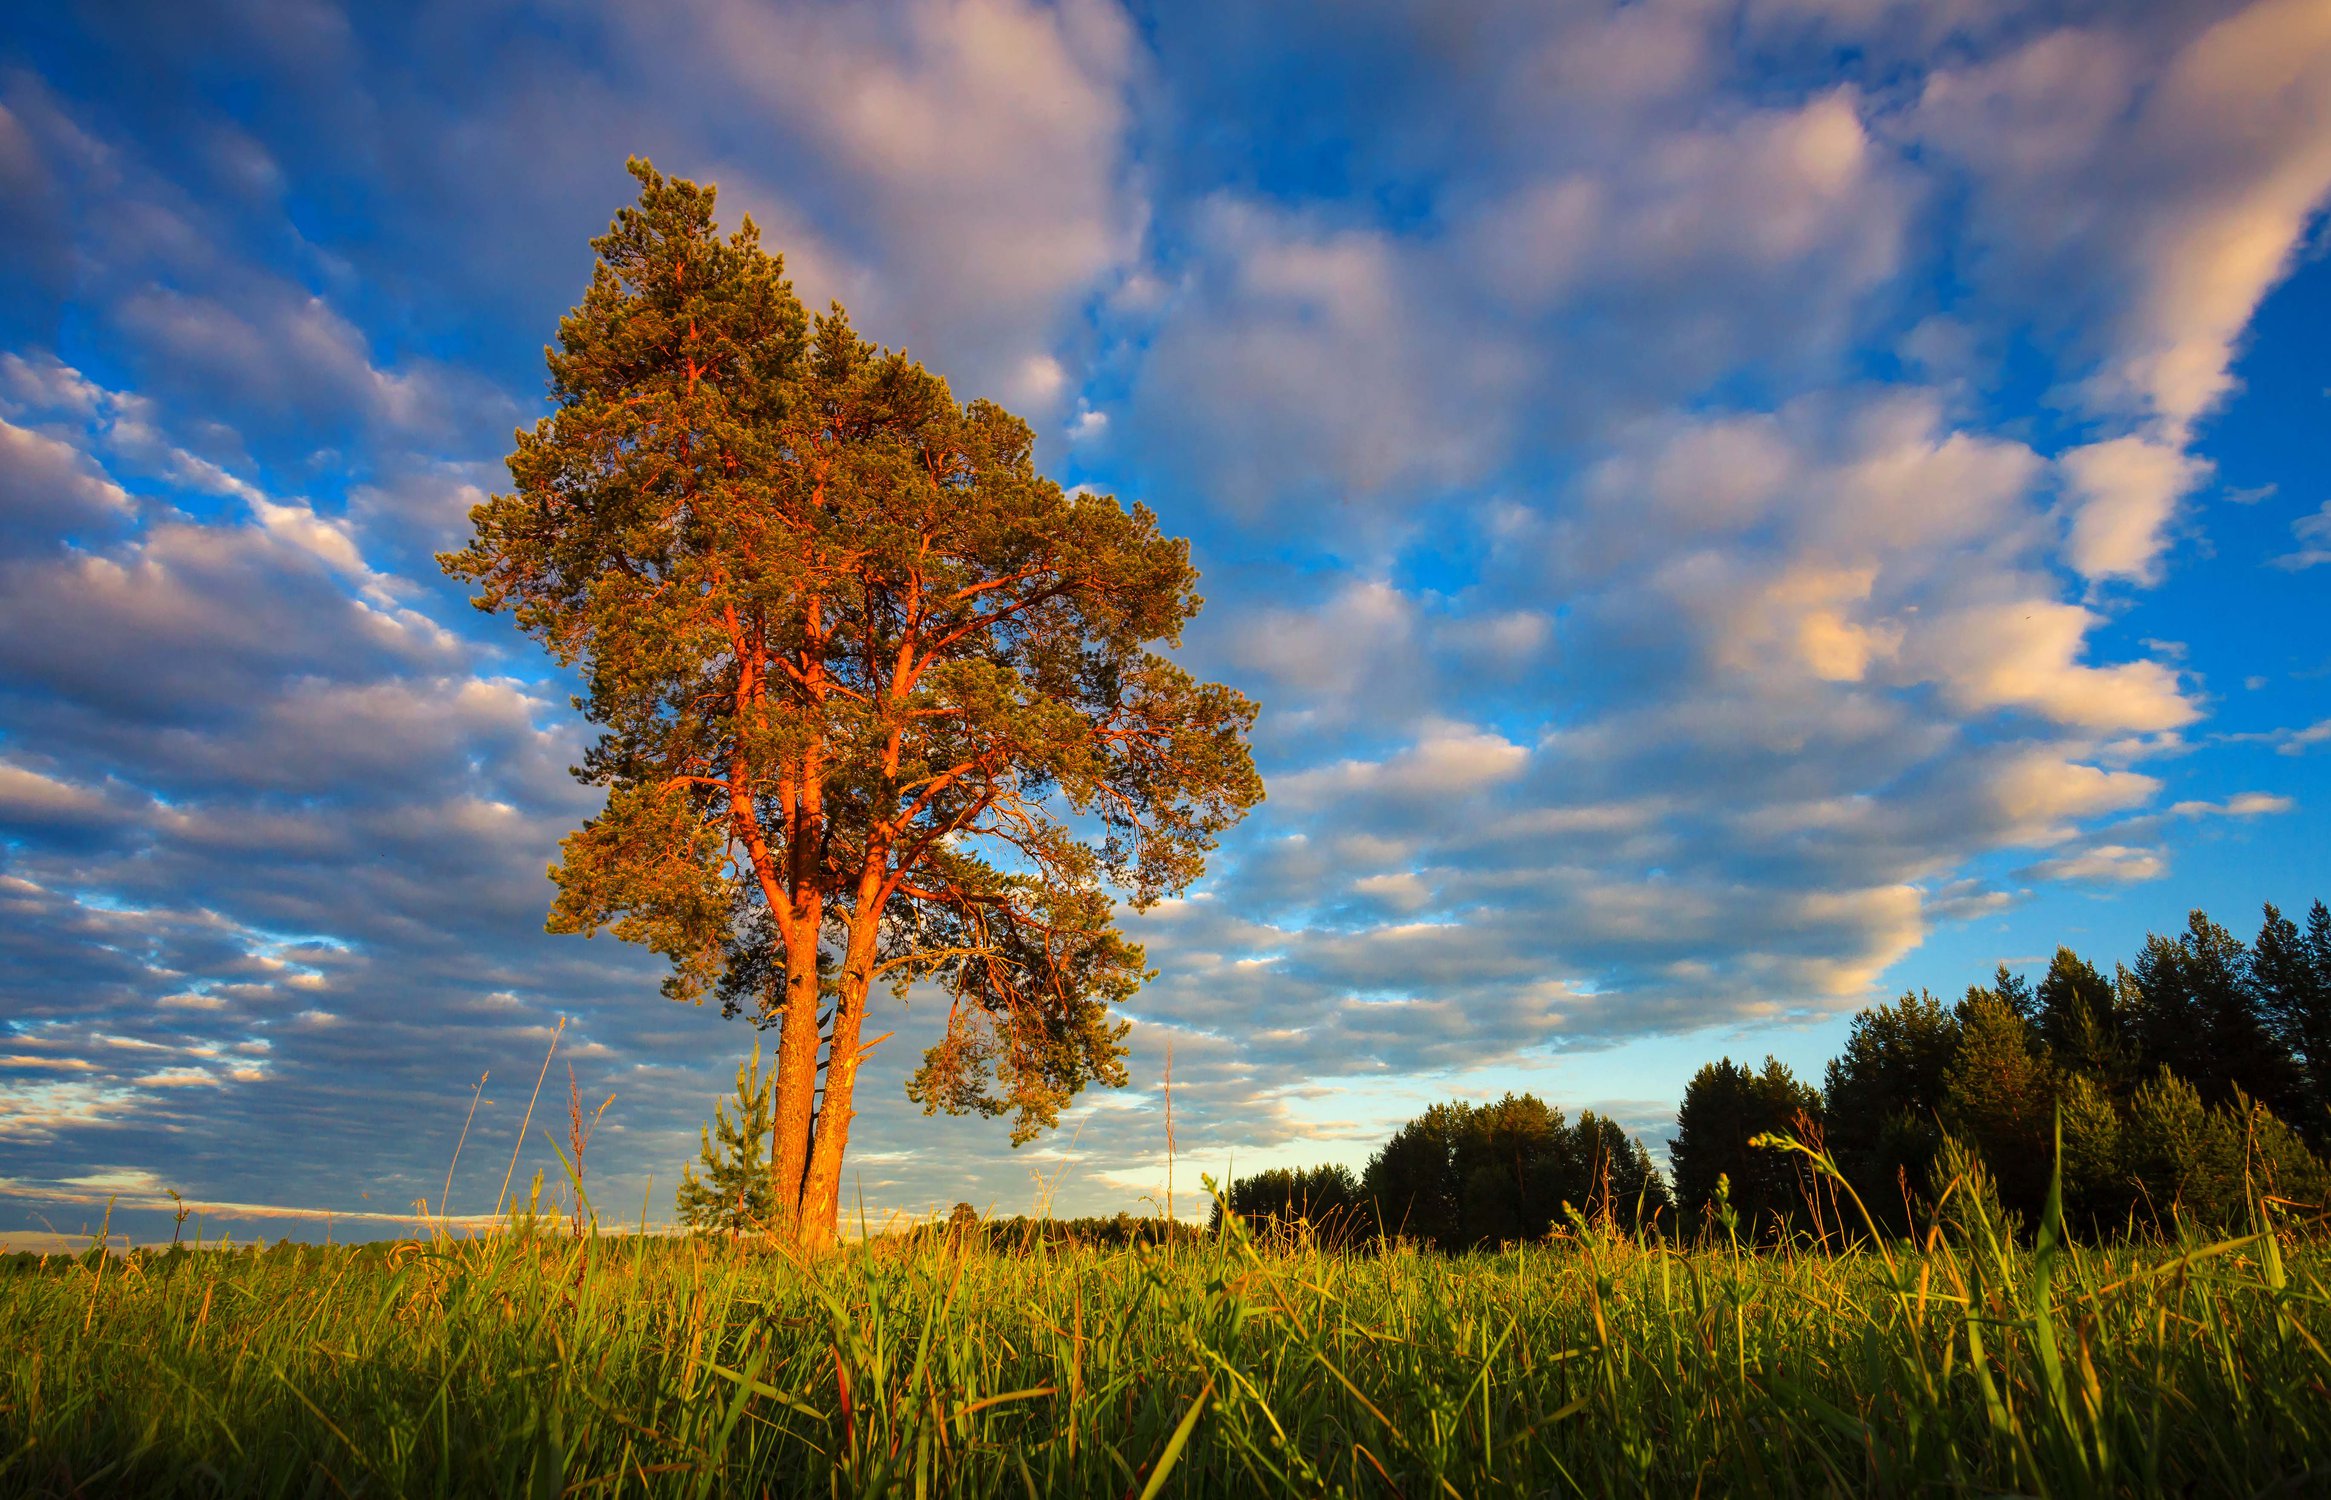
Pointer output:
x,y
734,1196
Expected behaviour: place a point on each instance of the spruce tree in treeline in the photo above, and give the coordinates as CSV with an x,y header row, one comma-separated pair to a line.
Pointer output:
x,y
734,1195
1413,1182
864,681
2200,1013
1521,1169
2081,1023
1999,1099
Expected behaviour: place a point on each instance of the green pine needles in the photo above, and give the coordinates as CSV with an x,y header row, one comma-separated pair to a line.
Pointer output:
x,y
733,1196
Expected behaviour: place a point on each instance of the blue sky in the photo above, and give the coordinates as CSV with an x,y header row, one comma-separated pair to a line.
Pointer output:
x,y
1733,508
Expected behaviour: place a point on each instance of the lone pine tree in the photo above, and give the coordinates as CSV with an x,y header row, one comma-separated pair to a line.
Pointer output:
x,y
877,701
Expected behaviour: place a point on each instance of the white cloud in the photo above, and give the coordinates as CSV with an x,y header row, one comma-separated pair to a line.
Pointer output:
x,y
2159,177
1402,891
1497,639
2287,741
1087,425
38,1112
2123,493
1922,23
46,383
300,526
26,795
2103,864
2043,795
2240,805
288,355
1328,651
1720,474
2242,126
1311,357
178,1078
2313,534
1808,616
126,426
1910,484
2025,654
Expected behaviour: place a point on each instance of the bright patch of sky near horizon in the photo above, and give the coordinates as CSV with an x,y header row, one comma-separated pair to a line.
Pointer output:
x,y
1732,510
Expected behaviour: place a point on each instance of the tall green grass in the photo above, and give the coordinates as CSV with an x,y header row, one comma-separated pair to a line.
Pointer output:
x,y
528,1363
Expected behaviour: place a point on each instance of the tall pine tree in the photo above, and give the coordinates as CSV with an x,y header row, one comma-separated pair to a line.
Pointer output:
x,y
2000,1099
2292,977
878,702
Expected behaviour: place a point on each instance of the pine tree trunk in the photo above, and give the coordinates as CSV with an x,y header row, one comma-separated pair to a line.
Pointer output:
x,y
796,1091
821,1189
821,1192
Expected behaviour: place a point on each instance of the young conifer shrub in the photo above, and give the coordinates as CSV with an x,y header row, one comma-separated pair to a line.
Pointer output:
x,y
734,1195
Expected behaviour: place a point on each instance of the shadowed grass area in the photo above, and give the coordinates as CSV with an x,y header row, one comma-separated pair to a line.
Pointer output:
x,y
1598,1365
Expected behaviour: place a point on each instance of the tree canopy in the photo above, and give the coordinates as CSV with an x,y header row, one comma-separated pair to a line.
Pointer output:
x,y
1881,1098
1726,1106
877,701
1461,1175
1324,1202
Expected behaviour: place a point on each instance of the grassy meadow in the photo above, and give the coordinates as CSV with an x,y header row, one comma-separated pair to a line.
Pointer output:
x,y
1595,1364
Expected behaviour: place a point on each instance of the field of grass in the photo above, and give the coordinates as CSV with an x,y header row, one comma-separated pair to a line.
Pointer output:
x,y
547,1365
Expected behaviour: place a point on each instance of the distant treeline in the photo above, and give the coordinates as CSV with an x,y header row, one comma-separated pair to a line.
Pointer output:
x,y
1007,1235
1465,1175
2188,1085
